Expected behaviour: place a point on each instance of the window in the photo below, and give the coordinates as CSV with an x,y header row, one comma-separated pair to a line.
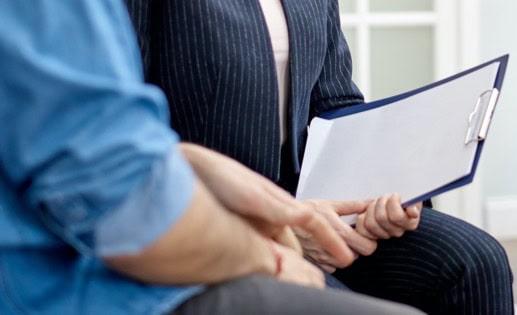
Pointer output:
x,y
399,45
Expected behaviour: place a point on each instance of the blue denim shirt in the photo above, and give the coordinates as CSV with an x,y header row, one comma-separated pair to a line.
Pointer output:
x,y
88,165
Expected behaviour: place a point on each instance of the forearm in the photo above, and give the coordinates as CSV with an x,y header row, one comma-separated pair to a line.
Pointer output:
x,y
207,245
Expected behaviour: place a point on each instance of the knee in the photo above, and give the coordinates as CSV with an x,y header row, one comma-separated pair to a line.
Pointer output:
x,y
487,256
468,248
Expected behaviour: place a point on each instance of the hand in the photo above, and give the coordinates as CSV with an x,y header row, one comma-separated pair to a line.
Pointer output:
x,y
281,234
297,270
268,207
385,218
331,210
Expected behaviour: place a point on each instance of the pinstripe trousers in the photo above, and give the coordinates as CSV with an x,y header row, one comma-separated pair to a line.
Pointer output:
x,y
446,266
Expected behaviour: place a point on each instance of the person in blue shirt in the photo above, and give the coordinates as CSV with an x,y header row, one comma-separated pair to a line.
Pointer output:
x,y
100,212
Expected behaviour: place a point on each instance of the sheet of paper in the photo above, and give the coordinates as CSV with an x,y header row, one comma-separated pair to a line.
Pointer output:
x,y
412,146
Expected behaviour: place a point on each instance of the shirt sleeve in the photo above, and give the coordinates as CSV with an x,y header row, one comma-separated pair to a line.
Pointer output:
x,y
335,87
84,141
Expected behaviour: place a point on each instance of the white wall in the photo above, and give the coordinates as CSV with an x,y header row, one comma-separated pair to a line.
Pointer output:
x,y
498,35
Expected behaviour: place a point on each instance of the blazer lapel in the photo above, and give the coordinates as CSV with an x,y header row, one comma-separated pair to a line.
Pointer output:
x,y
307,25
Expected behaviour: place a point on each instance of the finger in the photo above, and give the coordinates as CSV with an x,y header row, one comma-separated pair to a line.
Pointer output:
x,y
395,219
318,256
270,203
361,228
397,215
325,259
349,206
371,223
328,268
413,224
358,243
273,210
413,211
327,237
411,218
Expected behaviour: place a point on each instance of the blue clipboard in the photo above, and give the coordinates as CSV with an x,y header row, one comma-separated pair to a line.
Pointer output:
x,y
503,61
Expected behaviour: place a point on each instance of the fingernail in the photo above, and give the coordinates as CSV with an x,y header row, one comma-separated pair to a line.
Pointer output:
x,y
416,210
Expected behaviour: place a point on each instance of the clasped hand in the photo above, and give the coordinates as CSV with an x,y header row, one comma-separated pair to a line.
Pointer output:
x,y
382,218
319,232
269,210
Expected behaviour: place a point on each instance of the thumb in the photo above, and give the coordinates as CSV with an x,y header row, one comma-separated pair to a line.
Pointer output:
x,y
349,206
414,211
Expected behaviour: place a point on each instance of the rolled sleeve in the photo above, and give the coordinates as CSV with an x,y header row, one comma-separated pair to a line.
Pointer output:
x,y
85,143
150,211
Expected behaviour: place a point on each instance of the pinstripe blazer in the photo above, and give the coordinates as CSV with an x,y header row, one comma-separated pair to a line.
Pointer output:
x,y
214,60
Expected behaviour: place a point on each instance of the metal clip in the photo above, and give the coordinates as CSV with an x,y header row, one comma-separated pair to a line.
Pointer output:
x,y
480,118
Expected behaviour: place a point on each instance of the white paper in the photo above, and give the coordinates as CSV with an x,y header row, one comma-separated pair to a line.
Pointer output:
x,y
412,146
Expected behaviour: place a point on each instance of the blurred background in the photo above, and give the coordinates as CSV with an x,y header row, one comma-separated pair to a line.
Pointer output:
x,y
398,45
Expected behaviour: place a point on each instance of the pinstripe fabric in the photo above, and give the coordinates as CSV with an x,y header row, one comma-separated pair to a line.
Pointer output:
x,y
214,60
227,96
447,266
143,22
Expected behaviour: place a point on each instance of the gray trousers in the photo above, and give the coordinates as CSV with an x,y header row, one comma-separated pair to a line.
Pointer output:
x,y
263,295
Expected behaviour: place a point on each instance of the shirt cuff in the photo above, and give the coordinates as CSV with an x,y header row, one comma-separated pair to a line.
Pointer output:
x,y
150,211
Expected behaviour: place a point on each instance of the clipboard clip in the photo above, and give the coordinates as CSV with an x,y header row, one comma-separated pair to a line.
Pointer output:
x,y
480,118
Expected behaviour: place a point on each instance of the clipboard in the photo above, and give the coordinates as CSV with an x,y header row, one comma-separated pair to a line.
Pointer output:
x,y
447,124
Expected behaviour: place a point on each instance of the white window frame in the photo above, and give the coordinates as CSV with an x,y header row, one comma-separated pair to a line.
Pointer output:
x,y
452,21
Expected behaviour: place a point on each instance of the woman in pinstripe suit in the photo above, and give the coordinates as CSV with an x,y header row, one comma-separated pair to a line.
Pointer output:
x,y
245,77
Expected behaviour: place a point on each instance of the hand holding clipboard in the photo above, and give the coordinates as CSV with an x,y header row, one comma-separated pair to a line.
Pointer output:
x,y
419,144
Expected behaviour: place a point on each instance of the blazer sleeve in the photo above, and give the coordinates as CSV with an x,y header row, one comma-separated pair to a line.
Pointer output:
x,y
335,87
